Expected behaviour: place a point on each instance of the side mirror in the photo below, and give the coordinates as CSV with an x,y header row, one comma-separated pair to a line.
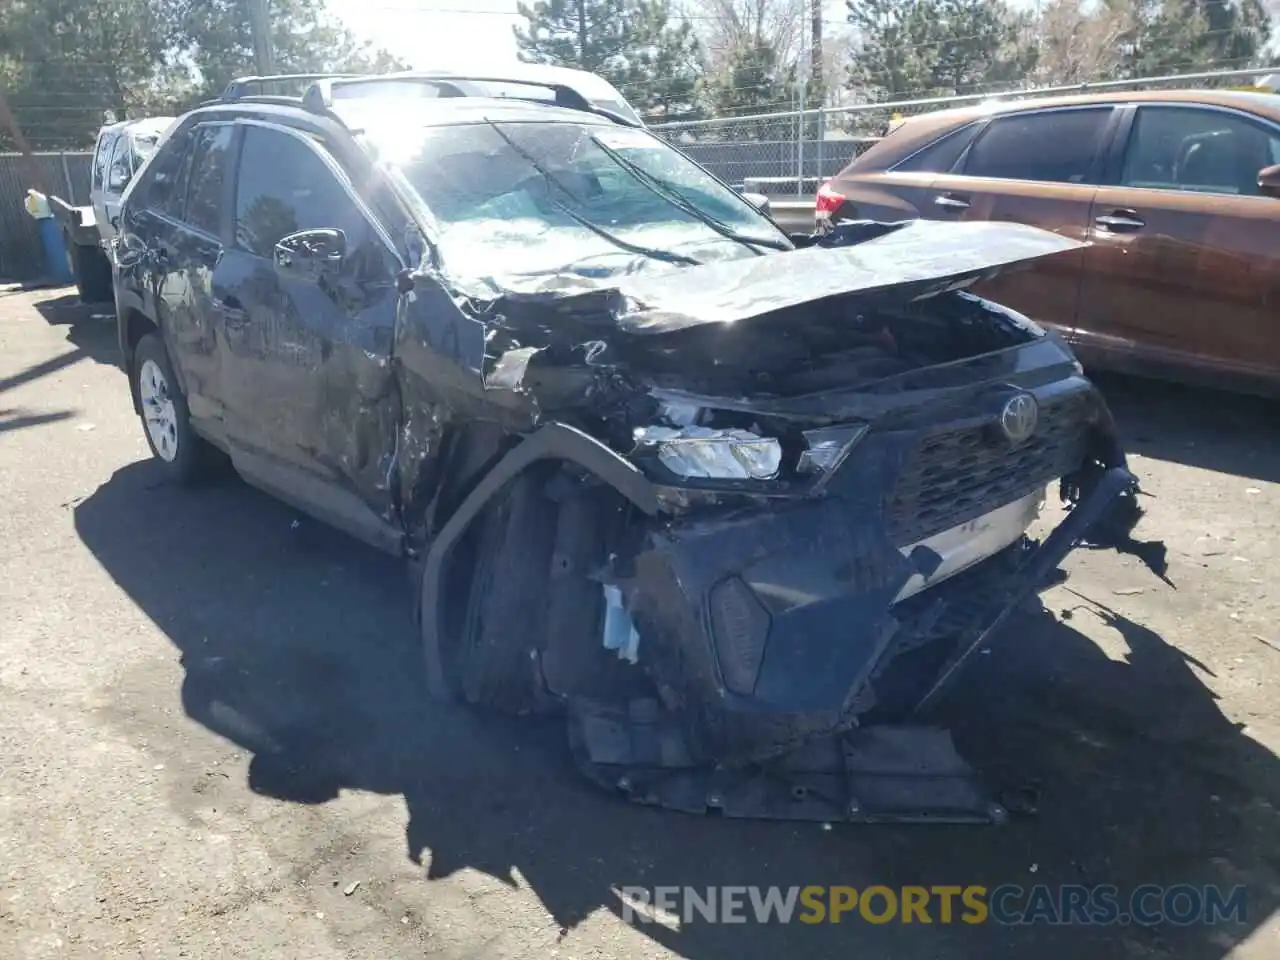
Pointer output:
x,y
758,200
311,253
1269,181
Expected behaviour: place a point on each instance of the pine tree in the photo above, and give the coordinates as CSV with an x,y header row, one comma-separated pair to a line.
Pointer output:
x,y
976,47
753,82
637,45
922,48
1185,36
890,56
72,64
665,66
304,39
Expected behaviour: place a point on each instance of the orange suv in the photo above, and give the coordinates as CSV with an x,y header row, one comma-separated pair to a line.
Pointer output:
x,y
1177,193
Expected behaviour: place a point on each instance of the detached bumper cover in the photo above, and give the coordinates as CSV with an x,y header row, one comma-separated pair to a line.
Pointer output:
x,y
789,617
885,772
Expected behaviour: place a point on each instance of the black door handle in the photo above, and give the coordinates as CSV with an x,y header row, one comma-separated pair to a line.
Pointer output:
x,y
951,201
1120,221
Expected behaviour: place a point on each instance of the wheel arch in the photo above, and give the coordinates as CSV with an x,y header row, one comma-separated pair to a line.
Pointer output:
x,y
134,325
555,441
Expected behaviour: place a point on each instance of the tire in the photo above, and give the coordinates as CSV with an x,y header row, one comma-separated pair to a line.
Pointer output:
x,y
503,628
182,454
92,272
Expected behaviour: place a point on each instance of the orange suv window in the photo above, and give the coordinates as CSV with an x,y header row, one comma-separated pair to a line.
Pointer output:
x,y
1057,146
1198,150
941,155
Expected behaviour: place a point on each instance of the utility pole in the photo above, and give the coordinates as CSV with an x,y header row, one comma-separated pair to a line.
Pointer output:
x,y
815,47
263,56
800,131
582,35
818,69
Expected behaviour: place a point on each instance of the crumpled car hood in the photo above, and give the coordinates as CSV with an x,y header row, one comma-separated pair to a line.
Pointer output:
x,y
920,259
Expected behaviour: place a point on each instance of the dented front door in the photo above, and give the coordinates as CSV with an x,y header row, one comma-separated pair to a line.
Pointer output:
x,y
307,382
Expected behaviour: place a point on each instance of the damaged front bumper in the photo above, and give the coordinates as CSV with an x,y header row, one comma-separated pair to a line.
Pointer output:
x,y
794,746
791,607
793,646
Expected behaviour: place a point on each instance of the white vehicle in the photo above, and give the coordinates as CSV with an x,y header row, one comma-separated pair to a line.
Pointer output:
x,y
522,81
597,91
120,152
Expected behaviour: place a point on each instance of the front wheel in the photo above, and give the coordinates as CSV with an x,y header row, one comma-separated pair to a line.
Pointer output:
x,y
182,454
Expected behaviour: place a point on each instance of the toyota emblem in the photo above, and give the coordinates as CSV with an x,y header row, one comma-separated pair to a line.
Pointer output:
x,y
1018,417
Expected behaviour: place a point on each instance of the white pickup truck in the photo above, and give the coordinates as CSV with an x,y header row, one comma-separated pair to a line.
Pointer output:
x,y
121,150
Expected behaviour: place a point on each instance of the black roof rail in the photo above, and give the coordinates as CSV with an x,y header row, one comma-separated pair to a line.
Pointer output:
x,y
321,95
242,87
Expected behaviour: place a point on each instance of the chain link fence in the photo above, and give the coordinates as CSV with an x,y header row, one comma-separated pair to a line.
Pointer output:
x,y
785,154
66,175
790,153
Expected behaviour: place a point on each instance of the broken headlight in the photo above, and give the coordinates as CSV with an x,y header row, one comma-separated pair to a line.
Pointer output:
x,y
705,453
826,447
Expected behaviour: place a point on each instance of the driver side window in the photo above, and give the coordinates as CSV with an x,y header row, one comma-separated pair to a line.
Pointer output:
x,y
285,187
1198,150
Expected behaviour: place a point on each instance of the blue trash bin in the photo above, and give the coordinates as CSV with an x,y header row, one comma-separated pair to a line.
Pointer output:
x,y
57,264
55,250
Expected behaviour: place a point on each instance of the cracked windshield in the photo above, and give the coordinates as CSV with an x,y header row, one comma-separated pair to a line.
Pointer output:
x,y
536,198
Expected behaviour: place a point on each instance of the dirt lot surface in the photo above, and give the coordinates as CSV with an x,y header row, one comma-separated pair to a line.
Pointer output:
x,y
212,726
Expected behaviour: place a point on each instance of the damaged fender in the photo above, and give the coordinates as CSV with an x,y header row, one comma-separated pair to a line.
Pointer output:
x,y
555,441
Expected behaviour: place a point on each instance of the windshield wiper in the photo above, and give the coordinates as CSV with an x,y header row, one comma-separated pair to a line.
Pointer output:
x,y
681,202
585,221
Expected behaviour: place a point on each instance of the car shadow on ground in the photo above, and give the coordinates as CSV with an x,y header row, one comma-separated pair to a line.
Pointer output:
x,y
90,327
298,646
1211,429
17,417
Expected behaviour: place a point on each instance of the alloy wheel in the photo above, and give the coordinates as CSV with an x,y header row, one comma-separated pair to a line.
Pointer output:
x,y
158,411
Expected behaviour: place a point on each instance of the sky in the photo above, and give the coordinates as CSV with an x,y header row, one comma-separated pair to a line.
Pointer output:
x,y
454,33
447,34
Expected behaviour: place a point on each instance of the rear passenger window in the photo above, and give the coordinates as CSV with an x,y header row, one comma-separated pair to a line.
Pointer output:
x,y
208,174
161,188
1199,150
1057,146
283,187
941,155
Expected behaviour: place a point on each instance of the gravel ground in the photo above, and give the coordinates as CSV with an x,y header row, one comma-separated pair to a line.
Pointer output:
x,y
212,726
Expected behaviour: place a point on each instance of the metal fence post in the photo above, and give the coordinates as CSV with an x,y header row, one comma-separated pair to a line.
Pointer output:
x,y
800,153
66,177
821,129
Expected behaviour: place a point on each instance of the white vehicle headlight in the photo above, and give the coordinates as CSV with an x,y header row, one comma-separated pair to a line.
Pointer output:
x,y
701,452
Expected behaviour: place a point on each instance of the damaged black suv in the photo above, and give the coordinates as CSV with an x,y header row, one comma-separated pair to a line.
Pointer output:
x,y
738,503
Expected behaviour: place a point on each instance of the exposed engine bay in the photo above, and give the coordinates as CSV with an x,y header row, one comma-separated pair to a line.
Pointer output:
x,y
838,342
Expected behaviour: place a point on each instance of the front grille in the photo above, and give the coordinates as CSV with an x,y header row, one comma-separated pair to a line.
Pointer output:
x,y
955,476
